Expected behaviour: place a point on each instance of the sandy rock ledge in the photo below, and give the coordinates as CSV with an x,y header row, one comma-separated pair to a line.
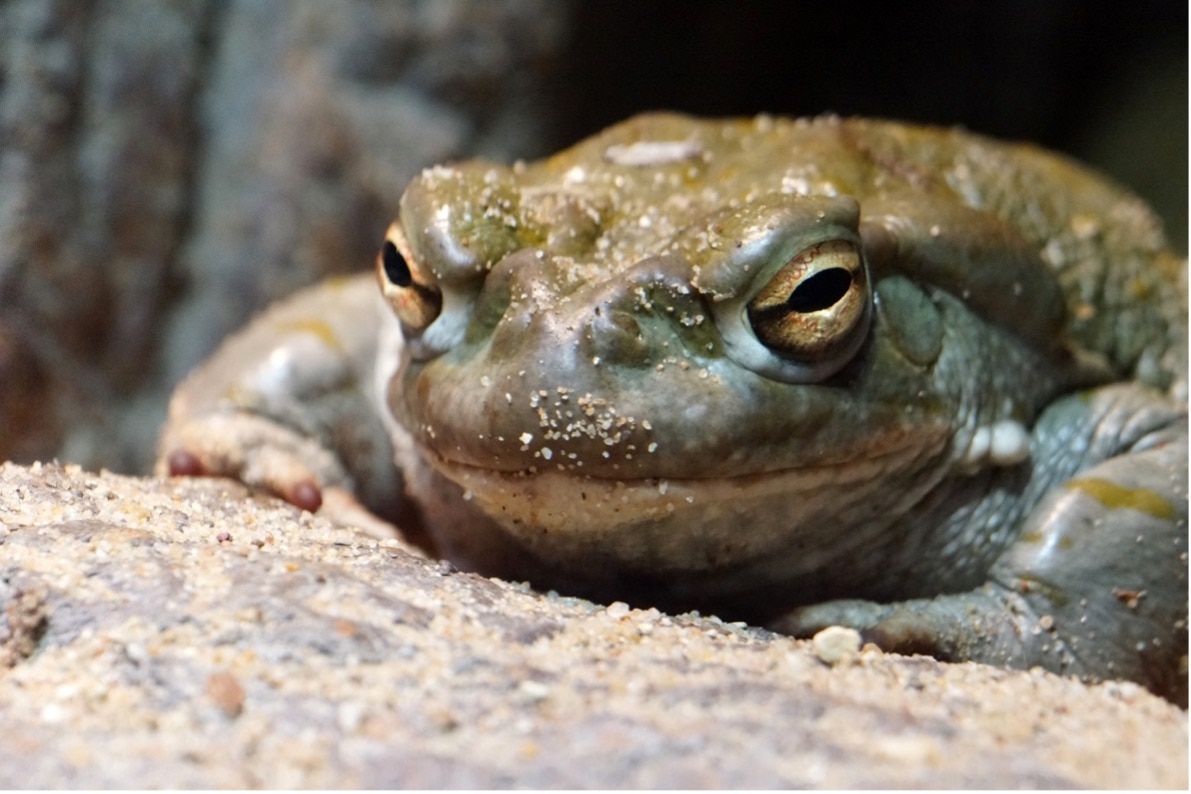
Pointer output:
x,y
189,634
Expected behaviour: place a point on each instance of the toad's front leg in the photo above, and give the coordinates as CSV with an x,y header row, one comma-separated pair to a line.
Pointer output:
x,y
288,406
1096,585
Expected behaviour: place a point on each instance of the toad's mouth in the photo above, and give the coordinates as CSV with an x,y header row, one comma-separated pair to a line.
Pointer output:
x,y
692,525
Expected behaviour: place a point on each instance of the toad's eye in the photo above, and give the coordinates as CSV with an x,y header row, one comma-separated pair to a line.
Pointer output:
x,y
815,304
408,289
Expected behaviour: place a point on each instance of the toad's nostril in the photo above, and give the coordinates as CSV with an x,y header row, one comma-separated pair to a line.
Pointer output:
x,y
616,337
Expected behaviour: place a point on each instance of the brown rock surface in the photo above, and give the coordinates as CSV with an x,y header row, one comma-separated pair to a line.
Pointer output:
x,y
188,634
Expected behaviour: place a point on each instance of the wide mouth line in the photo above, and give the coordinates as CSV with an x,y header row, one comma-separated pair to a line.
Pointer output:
x,y
653,480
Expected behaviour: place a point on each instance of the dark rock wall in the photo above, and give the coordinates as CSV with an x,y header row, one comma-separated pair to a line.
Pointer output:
x,y
167,168
97,124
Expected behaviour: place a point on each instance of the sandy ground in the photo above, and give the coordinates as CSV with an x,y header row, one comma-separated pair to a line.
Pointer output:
x,y
189,634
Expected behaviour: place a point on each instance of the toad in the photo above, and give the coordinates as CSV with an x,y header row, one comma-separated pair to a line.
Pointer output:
x,y
801,372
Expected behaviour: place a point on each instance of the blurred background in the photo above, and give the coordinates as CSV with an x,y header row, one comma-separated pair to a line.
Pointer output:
x,y
168,167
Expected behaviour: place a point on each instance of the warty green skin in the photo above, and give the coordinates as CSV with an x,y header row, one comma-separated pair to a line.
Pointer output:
x,y
591,410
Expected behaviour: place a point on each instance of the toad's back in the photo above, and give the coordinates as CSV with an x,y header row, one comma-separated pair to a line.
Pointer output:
x,y
648,178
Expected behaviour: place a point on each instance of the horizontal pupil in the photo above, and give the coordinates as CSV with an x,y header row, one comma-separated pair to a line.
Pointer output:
x,y
396,268
821,291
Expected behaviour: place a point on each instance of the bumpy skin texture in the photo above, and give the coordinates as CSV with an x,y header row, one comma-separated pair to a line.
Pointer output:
x,y
802,372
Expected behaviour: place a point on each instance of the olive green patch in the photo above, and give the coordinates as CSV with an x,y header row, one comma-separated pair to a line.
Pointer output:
x,y
1117,497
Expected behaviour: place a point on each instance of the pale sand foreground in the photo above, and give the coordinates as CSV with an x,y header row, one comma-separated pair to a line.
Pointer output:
x,y
188,634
